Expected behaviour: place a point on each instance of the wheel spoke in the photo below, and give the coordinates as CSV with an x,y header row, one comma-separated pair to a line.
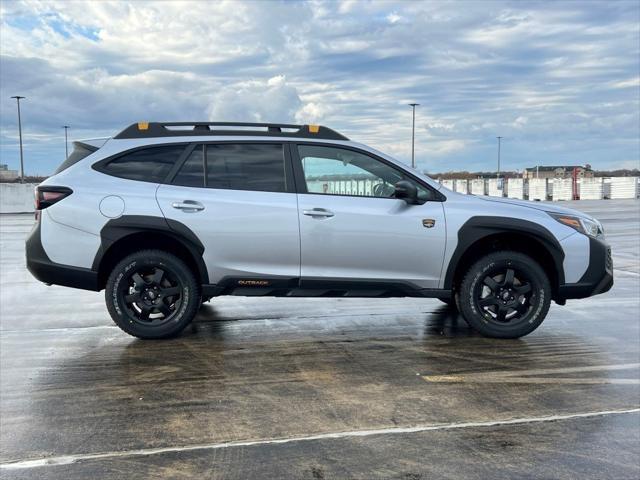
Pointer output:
x,y
522,308
152,295
157,276
164,309
138,280
522,289
132,298
508,278
491,283
501,315
170,291
487,301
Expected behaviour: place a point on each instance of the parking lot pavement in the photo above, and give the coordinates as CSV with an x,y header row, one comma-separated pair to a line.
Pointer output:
x,y
320,388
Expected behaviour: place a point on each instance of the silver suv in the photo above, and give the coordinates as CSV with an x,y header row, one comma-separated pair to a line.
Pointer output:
x,y
164,216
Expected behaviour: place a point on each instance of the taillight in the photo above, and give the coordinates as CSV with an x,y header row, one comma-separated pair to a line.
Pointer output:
x,y
47,196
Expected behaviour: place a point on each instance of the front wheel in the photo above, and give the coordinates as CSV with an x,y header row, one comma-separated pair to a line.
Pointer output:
x,y
505,295
152,294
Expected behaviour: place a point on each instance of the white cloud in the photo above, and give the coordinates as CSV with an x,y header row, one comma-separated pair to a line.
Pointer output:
x,y
631,82
257,101
393,17
312,113
555,79
520,122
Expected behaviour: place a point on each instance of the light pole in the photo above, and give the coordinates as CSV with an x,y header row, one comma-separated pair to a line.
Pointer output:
x,y
18,98
499,141
66,143
413,135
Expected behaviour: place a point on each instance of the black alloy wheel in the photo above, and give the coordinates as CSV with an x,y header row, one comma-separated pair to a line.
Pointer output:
x,y
505,294
152,294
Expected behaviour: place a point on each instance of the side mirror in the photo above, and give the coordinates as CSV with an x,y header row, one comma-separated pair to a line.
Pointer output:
x,y
407,191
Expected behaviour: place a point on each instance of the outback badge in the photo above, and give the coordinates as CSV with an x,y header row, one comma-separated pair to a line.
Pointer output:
x,y
428,222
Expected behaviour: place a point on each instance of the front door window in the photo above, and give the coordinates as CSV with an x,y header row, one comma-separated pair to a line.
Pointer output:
x,y
340,171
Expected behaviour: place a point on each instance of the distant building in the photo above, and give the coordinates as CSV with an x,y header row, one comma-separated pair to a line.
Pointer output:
x,y
6,174
562,171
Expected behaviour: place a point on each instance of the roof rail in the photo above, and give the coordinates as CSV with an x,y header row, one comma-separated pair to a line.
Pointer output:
x,y
177,129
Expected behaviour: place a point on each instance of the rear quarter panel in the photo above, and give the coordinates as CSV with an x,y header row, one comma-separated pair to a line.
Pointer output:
x,y
71,228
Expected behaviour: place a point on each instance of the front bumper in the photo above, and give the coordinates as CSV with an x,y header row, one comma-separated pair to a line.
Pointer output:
x,y
41,266
599,275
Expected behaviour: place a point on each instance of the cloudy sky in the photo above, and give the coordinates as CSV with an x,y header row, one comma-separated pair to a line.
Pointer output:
x,y
559,80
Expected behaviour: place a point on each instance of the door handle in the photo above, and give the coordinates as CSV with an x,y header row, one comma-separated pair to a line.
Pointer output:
x,y
318,212
188,206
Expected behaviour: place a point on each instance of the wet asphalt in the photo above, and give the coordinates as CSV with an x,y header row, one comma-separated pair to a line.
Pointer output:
x,y
320,388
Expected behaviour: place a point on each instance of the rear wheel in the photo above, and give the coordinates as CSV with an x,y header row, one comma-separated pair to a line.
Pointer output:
x,y
505,295
152,294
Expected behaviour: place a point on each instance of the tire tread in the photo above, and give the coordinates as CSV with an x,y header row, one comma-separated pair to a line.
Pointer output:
x,y
137,330
490,330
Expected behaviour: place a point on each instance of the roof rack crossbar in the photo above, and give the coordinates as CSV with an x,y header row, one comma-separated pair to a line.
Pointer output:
x,y
159,129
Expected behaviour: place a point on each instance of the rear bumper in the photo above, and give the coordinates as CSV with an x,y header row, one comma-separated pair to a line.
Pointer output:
x,y
43,269
599,275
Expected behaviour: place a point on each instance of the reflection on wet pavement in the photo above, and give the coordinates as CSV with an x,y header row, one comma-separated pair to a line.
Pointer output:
x,y
260,369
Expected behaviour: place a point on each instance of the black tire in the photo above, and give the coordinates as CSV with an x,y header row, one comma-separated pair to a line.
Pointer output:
x,y
152,294
505,295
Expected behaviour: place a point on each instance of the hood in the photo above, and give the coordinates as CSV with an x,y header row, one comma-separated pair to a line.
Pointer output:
x,y
543,206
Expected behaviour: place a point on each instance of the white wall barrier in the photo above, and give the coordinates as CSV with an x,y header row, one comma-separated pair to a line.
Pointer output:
x,y
448,184
515,188
461,186
17,197
562,189
494,187
537,189
476,186
591,188
624,187
555,189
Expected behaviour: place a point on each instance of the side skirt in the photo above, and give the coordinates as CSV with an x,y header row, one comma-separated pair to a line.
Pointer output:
x,y
308,287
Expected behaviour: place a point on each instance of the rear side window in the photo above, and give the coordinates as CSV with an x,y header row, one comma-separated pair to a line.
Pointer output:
x,y
80,151
150,164
259,167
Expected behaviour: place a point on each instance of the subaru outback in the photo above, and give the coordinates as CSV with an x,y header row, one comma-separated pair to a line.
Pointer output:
x,y
165,216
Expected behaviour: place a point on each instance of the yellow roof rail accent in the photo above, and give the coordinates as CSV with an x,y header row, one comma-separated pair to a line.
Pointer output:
x,y
314,128
143,125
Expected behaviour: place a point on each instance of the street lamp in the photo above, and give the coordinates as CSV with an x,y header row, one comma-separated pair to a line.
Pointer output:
x,y
66,143
413,134
499,141
18,98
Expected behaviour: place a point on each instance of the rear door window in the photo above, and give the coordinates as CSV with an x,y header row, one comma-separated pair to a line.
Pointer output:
x,y
191,173
150,164
248,166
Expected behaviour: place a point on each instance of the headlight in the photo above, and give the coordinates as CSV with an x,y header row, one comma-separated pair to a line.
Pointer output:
x,y
593,228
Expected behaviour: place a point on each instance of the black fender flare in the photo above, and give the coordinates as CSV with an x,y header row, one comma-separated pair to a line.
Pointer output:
x,y
118,228
479,227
